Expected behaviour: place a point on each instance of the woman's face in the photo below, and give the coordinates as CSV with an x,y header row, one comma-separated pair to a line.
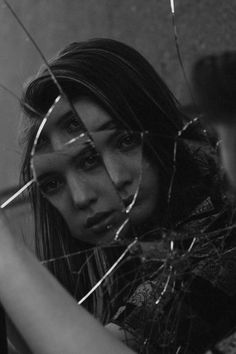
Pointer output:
x,y
90,185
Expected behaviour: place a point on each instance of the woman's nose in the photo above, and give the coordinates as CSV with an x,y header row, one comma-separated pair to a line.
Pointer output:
x,y
119,172
81,192
58,139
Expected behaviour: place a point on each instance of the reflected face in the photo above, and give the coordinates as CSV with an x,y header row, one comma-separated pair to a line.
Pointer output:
x,y
227,136
91,184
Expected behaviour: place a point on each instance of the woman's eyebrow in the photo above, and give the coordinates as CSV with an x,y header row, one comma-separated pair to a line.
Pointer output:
x,y
48,168
44,175
107,126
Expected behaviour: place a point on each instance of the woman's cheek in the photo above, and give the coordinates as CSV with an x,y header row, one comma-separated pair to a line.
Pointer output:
x,y
150,187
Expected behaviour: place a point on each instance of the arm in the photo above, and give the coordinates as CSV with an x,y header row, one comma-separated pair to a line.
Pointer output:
x,y
47,317
16,343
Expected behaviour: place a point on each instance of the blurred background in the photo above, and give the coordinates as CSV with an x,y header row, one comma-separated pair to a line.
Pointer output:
x,y
203,26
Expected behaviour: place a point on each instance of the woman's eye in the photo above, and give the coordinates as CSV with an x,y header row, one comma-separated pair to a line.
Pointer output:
x,y
90,161
129,140
73,125
51,185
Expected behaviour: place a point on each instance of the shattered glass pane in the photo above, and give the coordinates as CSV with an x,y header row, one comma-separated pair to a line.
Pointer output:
x,y
151,278
78,167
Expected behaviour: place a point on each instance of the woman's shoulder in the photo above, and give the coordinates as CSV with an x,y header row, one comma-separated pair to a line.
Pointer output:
x,y
191,290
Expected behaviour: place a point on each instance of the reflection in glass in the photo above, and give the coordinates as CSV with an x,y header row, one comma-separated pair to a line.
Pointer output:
x,y
89,169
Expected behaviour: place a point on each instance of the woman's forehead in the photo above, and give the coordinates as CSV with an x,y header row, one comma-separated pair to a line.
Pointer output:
x,y
91,115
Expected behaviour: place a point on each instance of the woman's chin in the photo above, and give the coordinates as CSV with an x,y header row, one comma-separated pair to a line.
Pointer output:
x,y
107,236
131,225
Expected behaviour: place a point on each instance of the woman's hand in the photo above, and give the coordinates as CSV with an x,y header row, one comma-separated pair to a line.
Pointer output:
x,y
47,317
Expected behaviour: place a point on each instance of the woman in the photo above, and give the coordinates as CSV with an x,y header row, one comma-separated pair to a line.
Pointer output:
x,y
140,170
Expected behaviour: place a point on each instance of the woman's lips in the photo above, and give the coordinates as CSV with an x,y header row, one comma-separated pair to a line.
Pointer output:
x,y
128,201
104,221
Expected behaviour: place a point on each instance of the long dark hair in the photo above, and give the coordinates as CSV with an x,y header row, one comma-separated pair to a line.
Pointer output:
x,y
128,87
